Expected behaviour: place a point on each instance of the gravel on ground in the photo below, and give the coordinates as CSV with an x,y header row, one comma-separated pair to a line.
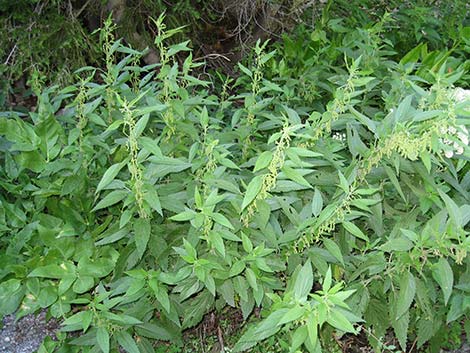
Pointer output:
x,y
26,334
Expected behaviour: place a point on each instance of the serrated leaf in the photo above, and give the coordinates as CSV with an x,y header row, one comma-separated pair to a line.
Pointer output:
x,y
109,176
294,175
102,337
327,280
126,341
184,216
343,183
245,70
237,268
452,209
312,328
317,203
293,314
401,329
339,321
263,330
246,243
425,331
393,178
354,230
252,190
298,338
141,234
406,294
251,278
263,160
333,249
160,293
217,242
444,276
222,220
304,282
113,237
111,199
151,197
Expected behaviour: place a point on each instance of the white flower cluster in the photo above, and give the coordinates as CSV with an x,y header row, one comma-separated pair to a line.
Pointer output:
x,y
339,136
461,95
460,133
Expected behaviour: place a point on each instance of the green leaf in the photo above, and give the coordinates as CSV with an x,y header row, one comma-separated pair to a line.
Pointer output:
x,y
113,237
317,203
406,294
160,293
245,70
112,198
333,249
343,183
50,271
102,337
397,244
227,292
354,230
294,175
237,268
267,328
141,234
151,146
326,285
126,341
304,282
425,331
247,244
109,175
252,190
263,160
251,278
216,240
339,321
222,220
158,331
95,268
121,318
393,178
161,166
401,329
312,328
452,209
184,216
11,296
456,309
151,197
229,164
298,338
443,275
83,284
293,314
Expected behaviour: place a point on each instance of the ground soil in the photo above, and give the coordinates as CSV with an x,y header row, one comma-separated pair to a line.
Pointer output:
x,y
26,334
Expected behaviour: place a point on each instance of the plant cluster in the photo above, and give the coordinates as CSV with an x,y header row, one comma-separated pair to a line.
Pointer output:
x,y
317,189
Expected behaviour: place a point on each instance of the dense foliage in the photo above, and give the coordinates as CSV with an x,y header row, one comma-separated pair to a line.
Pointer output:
x,y
327,186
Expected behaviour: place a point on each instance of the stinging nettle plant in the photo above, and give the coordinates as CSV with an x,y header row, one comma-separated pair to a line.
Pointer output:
x,y
134,204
